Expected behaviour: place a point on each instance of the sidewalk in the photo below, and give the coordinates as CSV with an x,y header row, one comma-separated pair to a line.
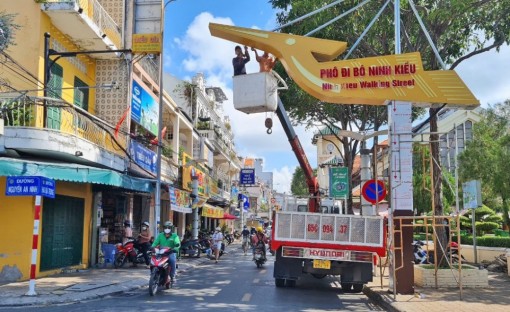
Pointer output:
x,y
87,284
495,298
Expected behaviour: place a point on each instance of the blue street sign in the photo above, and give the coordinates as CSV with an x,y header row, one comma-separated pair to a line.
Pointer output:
x,y
247,177
30,186
143,156
374,191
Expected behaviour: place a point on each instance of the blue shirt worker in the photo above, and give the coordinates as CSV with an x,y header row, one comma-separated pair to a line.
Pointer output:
x,y
240,60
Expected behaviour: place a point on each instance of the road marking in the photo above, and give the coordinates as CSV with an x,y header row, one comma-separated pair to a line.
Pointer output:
x,y
255,281
263,271
246,297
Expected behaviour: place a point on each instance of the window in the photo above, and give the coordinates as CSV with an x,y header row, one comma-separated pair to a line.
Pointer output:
x,y
55,91
81,94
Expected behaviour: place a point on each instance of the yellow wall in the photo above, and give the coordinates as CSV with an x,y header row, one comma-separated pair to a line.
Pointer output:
x,y
29,49
17,214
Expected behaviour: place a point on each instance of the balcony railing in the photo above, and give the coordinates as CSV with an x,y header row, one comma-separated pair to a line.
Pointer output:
x,y
99,16
26,111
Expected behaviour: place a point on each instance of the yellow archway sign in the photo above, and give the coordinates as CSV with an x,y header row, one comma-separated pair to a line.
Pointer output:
x,y
373,80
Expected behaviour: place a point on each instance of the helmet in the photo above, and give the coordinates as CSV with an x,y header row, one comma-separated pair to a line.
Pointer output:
x,y
147,224
245,227
127,223
218,229
168,224
259,229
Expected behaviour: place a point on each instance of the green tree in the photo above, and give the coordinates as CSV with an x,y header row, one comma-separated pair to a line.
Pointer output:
x,y
460,29
298,186
7,30
487,156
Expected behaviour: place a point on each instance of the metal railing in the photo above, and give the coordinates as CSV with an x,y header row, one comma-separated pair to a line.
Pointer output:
x,y
26,111
95,11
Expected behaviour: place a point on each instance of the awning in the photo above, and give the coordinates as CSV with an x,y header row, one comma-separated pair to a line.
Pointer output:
x,y
73,173
228,216
212,212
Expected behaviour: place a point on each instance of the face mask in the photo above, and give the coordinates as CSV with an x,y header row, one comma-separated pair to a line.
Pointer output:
x,y
144,228
167,231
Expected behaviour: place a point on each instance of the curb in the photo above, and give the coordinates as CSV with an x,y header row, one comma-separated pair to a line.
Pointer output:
x,y
380,300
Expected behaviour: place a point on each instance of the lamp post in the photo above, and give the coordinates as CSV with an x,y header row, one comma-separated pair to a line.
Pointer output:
x,y
157,205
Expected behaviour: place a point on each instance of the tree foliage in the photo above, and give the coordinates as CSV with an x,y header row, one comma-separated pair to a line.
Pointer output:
x,y
7,30
298,186
459,29
487,156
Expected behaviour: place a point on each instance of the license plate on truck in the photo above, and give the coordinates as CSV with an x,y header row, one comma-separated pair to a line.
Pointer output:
x,y
321,264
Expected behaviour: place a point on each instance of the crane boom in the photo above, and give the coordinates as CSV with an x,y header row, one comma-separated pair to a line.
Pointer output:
x,y
311,180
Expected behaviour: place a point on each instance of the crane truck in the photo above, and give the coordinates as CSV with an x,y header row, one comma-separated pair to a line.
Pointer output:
x,y
319,243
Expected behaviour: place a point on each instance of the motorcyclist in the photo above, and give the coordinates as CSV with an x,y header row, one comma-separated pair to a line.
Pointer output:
x,y
143,241
246,236
171,240
259,237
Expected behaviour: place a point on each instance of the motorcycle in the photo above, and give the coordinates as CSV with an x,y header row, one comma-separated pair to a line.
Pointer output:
x,y
260,255
128,252
420,255
191,247
160,269
229,238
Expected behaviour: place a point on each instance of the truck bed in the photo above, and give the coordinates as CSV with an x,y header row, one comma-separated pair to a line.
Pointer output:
x,y
328,232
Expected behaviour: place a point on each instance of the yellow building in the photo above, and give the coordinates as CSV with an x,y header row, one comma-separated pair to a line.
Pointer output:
x,y
62,139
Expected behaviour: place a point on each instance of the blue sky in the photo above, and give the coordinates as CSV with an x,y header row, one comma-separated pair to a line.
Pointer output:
x,y
189,48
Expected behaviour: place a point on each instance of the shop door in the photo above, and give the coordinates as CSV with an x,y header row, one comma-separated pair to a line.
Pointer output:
x,y
62,232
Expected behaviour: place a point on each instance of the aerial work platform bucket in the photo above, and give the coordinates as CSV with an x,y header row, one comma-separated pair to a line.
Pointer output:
x,y
256,93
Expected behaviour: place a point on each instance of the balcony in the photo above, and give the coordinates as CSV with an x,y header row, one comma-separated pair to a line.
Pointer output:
x,y
87,23
71,134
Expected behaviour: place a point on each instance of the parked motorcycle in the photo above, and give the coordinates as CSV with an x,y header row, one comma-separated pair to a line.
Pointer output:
x,y
229,238
420,255
260,255
128,252
160,269
191,248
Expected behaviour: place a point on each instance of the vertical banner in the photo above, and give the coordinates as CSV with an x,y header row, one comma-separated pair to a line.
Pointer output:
x,y
338,182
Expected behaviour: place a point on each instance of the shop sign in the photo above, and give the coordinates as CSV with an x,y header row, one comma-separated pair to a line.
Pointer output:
x,y
144,108
146,43
179,200
188,171
212,212
143,156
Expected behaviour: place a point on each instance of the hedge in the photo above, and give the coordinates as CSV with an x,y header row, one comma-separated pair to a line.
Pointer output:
x,y
485,241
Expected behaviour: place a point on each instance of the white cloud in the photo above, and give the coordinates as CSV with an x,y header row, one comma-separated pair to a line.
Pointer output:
x,y
282,179
487,75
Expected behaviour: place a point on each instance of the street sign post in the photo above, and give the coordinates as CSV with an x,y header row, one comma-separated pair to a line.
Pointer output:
x,y
374,191
338,182
38,187
247,177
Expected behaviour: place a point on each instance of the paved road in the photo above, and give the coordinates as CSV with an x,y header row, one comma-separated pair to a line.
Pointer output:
x,y
234,284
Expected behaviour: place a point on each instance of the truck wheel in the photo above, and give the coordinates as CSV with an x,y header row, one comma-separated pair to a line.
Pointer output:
x,y
357,288
319,276
290,283
346,286
279,282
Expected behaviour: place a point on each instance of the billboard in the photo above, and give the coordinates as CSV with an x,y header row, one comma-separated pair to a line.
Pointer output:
x,y
144,108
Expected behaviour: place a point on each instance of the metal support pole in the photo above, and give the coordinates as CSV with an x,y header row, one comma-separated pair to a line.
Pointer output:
x,y
157,204
46,75
473,227
35,242
196,217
